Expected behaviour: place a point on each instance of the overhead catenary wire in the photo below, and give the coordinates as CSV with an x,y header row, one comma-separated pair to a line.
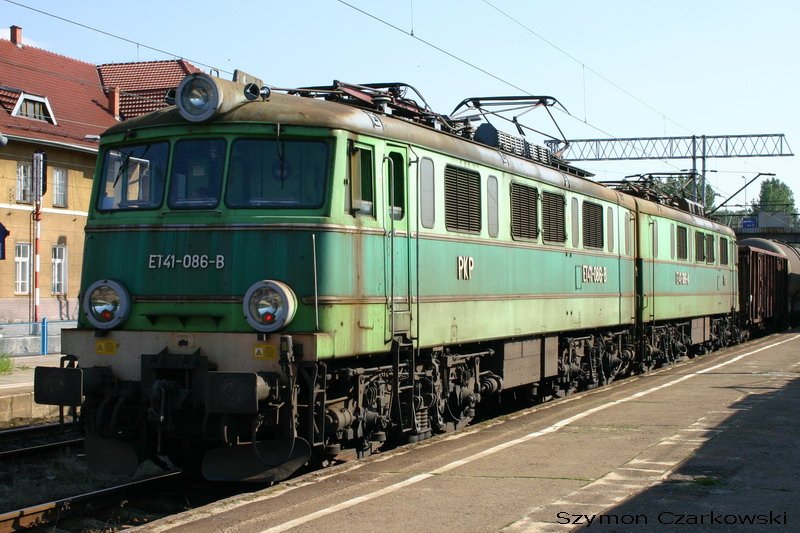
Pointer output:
x,y
583,65
467,63
112,35
411,34
343,2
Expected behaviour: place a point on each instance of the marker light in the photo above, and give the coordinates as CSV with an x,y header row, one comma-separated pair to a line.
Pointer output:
x,y
106,304
269,305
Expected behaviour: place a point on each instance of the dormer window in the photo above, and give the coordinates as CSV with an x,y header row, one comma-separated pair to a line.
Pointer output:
x,y
34,107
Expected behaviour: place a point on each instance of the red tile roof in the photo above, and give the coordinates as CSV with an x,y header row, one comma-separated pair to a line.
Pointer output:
x,y
72,87
144,84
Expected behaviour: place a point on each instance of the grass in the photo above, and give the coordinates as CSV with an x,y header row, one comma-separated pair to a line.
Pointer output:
x,y
6,364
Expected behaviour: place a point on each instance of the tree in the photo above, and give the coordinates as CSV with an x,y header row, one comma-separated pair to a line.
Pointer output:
x,y
683,186
775,197
731,217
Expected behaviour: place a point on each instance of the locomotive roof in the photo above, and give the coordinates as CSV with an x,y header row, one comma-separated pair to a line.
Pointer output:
x,y
304,111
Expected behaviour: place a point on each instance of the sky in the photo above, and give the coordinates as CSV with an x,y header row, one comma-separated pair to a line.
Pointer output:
x,y
634,68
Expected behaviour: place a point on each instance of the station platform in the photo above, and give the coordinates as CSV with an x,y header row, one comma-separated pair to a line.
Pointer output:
x,y
16,390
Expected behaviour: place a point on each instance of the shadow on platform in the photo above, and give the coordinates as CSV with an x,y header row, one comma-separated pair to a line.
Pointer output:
x,y
746,478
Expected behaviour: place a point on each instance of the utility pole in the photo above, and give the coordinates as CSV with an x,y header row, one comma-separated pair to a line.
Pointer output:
x,y
39,186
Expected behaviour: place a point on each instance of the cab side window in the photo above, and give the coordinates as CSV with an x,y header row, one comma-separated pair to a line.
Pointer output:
x,y
362,179
397,185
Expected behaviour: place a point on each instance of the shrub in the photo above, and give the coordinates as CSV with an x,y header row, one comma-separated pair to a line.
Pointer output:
x,y
6,364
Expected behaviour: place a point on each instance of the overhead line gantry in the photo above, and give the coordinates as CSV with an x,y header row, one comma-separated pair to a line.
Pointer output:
x,y
690,147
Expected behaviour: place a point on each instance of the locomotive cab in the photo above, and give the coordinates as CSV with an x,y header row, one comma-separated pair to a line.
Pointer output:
x,y
219,279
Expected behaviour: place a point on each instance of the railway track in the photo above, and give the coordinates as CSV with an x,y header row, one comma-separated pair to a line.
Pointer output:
x,y
54,512
123,506
29,440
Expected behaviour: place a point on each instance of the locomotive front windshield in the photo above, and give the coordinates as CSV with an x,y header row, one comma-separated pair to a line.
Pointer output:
x,y
196,178
133,177
261,173
272,173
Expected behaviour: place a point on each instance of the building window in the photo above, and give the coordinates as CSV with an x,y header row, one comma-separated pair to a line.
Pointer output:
x,y
24,182
22,268
34,107
59,260
462,200
524,212
60,187
553,222
683,243
592,225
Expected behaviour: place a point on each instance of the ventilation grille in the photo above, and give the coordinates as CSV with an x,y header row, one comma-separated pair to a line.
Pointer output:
x,y
683,243
699,246
723,251
524,211
462,197
592,225
553,223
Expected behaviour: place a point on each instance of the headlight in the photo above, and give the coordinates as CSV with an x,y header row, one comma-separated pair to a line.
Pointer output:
x,y
199,96
269,305
106,304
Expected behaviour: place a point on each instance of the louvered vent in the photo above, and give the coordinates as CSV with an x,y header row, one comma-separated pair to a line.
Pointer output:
x,y
723,251
524,212
592,225
699,246
553,223
462,197
683,243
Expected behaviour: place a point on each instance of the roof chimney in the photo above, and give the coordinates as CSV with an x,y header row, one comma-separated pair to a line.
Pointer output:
x,y
16,35
113,101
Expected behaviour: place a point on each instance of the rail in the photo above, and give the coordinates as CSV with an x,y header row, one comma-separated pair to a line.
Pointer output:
x,y
50,513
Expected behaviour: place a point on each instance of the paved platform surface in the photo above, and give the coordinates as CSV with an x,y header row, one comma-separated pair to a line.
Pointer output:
x,y
16,389
708,445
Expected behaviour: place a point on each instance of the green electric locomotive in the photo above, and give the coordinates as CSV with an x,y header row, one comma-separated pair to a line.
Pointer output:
x,y
272,277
